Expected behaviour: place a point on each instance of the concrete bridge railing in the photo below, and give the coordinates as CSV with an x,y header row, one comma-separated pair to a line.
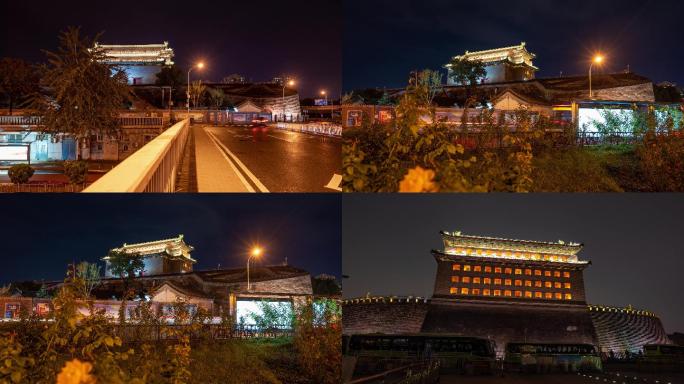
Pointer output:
x,y
152,168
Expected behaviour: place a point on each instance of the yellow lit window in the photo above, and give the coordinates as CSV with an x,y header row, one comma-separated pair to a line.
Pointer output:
x,y
508,282
568,296
567,285
547,284
487,280
518,283
518,271
518,294
497,292
497,281
538,295
528,283
508,293
547,295
465,279
488,269
537,272
509,271
538,283
566,274
477,268
486,292
454,279
557,285
528,272
497,269
464,291
547,273
453,291
476,292
476,280
466,267
556,273
528,294
558,296
456,267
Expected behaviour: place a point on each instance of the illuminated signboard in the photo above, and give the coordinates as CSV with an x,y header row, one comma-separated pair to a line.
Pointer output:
x,y
14,152
320,102
249,310
12,310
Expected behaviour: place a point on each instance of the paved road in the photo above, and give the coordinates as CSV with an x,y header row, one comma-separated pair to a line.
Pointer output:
x,y
275,160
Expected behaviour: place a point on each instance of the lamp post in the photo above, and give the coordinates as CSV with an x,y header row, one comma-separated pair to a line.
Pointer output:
x,y
199,65
290,83
256,252
325,94
598,59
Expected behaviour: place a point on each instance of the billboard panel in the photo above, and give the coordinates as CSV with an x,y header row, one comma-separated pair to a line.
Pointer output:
x,y
14,153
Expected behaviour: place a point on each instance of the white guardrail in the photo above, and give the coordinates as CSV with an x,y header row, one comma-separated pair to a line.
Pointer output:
x,y
152,168
326,129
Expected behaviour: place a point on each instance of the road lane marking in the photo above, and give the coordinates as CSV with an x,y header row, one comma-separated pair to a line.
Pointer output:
x,y
230,162
243,167
335,182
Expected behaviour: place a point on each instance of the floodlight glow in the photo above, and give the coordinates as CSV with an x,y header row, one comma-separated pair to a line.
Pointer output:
x,y
200,65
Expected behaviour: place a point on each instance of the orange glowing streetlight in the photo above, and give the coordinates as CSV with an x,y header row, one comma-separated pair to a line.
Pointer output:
x,y
598,60
255,252
199,65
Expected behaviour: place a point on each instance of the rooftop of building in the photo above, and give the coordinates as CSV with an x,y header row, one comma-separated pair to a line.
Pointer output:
x,y
514,244
175,247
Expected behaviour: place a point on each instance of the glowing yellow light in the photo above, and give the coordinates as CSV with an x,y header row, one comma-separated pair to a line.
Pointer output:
x,y
256,251
598,59
291,83
323,93
200,65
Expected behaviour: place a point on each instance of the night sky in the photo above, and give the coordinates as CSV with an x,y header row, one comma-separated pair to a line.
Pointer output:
x,y
634,241
258,39
43,233
385,39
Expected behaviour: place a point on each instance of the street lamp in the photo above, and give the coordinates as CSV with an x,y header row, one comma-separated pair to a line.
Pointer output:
x,y
199,65
256,252
324,93
598,60
291,83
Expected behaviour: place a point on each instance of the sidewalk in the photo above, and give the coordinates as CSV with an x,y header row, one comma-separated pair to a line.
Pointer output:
x,y
215,174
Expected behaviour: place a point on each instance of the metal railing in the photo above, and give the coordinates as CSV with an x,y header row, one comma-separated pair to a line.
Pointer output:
x,y
125,121
141,121
41,188
152,168
421,373
20,120
313,128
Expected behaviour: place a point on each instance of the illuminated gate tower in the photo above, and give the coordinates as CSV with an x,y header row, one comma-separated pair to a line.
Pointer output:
x,y
168,256
141,62
510,291
485,268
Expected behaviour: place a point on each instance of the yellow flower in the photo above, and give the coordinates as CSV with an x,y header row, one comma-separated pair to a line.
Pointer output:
x,y
76,372
418,180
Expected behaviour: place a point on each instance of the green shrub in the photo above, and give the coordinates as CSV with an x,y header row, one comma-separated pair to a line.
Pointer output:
x,y
76,171
661,162
20,173
571,170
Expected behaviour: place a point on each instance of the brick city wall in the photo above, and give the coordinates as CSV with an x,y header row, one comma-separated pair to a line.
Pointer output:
x,y
395,317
